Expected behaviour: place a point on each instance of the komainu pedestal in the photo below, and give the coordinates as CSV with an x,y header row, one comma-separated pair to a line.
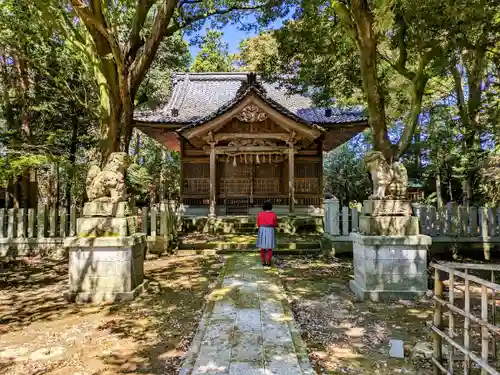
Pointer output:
x,y
390,256
389,267
106,258
106,269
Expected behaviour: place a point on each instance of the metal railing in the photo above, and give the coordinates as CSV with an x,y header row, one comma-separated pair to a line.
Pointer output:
x,y
479,299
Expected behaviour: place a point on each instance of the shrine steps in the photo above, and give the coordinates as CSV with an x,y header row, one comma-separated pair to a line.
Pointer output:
x,y
286,244
247,224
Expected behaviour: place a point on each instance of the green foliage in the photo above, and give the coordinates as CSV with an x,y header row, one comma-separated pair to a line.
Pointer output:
x,y
214,54
345,176
15,165
256,52
49,99
139,181
173,55
490,180
155,173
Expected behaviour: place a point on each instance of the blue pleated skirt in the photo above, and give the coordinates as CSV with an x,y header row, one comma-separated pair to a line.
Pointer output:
x,y
266,238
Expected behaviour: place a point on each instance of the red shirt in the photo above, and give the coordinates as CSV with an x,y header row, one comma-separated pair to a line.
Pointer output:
x,y
268,218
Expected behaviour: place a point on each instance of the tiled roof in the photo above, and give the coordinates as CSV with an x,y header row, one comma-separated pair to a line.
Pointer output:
x,y
199,97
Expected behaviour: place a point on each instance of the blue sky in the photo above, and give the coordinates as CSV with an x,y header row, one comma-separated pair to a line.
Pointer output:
x,y
232,35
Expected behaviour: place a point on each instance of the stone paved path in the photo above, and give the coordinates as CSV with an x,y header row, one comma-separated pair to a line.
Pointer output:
x,y
248,328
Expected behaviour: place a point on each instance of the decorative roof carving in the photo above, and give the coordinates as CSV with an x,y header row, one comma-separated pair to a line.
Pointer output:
x,y
251,142
252,114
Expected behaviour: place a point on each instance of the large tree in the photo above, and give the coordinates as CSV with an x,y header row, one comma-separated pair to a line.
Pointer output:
x,y
254,52
126,36
47,105
386,53
214,54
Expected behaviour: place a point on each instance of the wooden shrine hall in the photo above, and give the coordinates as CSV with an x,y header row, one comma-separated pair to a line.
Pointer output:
x,y
243,141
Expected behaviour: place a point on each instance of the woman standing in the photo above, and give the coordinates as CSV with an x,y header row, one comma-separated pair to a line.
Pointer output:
x,y
266,237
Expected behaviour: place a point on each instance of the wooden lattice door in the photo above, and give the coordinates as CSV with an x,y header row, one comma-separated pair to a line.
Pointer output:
x,y
235,181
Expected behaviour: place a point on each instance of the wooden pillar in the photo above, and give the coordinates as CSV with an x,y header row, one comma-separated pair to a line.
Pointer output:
x,y
321,192
291,178
213,193
182,171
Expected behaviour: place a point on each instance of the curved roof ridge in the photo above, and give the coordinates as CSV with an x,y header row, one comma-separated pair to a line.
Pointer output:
x,y
202,95
215,76
179,90
239,97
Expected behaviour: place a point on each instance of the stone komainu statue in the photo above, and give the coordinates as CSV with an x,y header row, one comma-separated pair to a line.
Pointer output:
x,y
389,181
108,184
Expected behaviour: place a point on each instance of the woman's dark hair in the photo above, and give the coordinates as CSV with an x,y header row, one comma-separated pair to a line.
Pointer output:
x,y
268,206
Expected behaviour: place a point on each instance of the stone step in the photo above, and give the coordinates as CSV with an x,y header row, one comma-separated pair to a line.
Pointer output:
x,y
247,245
281,251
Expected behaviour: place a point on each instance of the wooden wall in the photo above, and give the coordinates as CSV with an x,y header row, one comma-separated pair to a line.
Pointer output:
x,y
265,179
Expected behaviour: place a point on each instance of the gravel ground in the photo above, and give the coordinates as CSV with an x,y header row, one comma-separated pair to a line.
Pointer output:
x,y
345,336
40,333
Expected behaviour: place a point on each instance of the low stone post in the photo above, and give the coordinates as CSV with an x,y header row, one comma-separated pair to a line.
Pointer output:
x,y
106,257
41,220
2,222
21,223
12,223
332,216
31,222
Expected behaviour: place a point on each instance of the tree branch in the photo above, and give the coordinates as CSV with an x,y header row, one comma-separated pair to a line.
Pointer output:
x,y
403,52
142,63
405,72
462,107
418,90
345,17
192,19
99,24
134,40
161,29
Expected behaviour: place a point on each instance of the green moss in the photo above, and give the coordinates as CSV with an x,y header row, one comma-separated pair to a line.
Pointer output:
x,y
93,235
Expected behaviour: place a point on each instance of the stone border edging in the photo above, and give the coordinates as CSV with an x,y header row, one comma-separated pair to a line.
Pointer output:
x,y
191,356
298,343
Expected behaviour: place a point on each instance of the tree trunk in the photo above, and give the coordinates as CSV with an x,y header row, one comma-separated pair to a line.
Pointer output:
x,y
72,161
137,147
25,189
417,94
450,189
439,194
367,45
58,187
467,190
117,111
7,196
474,65
8,112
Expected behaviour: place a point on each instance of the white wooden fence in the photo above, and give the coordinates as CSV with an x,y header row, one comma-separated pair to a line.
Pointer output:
x,y
46,227
453,221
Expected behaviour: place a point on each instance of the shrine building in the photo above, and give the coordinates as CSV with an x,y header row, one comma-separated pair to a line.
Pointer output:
x,y
243,141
